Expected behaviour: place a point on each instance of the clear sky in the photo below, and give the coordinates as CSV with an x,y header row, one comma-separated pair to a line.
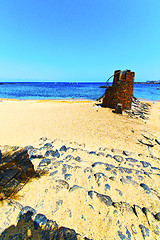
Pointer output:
x,y
79,40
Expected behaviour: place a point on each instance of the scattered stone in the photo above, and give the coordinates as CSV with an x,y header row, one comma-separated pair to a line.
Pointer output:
x,y
125,235
133,160
145,164
66,168
27,209
78,159
48,145
148,143
53,173
100,177
146,188
60,184
67,177
123,207
107,187
118,158
69,158
63,149
66,234
119,191
152,221
51,153
105,199
145,231
101,154
127,153
157,216
93,152
44,162
40,220
157,141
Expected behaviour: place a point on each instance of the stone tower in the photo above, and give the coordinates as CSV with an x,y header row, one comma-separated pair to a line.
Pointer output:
x,y
121,90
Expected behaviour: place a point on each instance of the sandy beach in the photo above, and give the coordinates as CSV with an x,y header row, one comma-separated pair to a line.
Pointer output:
x,y
100,174
24,122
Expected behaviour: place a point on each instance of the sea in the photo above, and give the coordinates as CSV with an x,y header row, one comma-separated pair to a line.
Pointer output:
x,y
70,90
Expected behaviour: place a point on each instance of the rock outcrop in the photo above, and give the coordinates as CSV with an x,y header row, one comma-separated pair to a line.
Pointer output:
x,y
15,170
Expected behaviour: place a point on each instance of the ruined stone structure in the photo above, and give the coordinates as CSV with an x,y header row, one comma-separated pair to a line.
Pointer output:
x,y
121,91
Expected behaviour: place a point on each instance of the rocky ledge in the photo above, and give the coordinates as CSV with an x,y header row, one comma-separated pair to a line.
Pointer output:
x,y
81,193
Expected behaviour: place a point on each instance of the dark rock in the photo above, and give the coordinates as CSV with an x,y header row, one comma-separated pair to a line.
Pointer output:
x,y
75,187
112,178
66,234
63,149
99,177
157,216
67,176
47,145
125,236
60,184
140,177
11,187
145,164
88,170
78,159
157,141
8,174
40,220
43,139
98,163
69,158
44,162
155,168
27,209
105,199
145,231
109,155
127,153
107,187
29,147
119,191
146,188
51,153
53,173
90,193
118,158
57,163
66,168
147,174
123,207
126,170
148,143
50,230
101,154
131,160
93,152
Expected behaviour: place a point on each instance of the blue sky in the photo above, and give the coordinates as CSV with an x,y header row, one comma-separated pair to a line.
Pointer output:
x,y
79,40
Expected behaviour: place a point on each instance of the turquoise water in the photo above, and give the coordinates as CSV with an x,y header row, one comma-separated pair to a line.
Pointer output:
x,y
68,90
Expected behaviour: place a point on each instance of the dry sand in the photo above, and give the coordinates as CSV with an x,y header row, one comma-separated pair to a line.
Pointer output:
x,y
24,122
68,194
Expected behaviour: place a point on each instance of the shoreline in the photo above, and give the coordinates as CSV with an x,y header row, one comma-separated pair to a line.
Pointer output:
x,y
68,100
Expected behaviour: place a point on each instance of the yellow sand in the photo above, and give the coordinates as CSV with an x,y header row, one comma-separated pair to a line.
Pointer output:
x,y
24,122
